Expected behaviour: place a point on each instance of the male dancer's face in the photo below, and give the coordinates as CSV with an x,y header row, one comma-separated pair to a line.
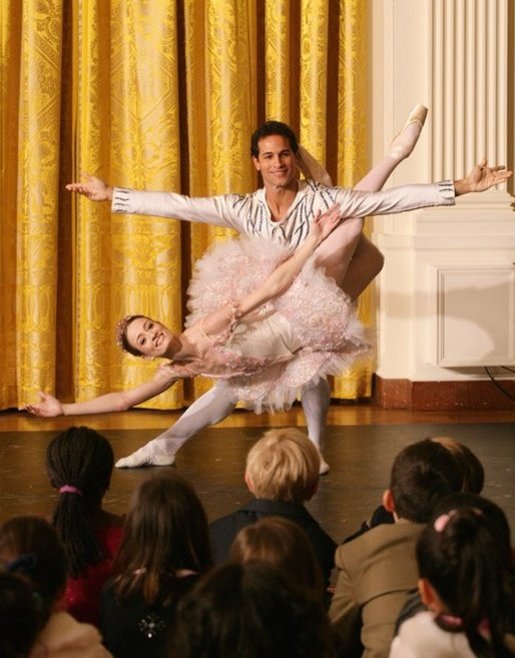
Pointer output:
x,y
276,162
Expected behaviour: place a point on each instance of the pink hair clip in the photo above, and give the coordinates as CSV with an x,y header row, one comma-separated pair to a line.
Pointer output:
x,y
443,520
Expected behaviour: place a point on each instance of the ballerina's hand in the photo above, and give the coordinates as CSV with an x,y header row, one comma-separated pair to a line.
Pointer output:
x,y
94,188
324,223
48,406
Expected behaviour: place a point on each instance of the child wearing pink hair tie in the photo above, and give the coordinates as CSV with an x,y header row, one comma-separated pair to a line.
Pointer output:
x,y
465,564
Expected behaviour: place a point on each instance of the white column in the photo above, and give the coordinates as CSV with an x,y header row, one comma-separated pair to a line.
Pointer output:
x,y
451,55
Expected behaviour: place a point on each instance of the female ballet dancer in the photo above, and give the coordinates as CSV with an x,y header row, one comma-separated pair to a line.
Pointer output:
x,y
263,353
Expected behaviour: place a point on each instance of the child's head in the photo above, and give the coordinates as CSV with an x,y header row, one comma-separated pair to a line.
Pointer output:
x,y
464,558
249,610
165,531
80,459
283,465
473,471
30,547
79,464
283,544
422,474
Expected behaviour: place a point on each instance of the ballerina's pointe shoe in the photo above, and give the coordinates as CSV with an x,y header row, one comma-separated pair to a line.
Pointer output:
x,y
324,467
404,143
143,457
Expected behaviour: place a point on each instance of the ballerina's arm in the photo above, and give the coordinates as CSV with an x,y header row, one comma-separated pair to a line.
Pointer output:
x,y
279,280
49,406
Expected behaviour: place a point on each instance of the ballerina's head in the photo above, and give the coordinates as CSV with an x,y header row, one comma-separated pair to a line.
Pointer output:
x,y
140,335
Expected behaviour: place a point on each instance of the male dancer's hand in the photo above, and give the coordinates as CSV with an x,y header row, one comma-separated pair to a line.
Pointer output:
x,y
94,188
481,178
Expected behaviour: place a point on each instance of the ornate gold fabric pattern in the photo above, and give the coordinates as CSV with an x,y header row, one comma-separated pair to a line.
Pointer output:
x,y
163,95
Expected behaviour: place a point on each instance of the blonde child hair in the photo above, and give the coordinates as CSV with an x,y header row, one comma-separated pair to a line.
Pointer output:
x,y
283,465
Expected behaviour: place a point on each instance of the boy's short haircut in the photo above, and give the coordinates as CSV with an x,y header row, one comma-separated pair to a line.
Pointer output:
x,y
422,474
283,465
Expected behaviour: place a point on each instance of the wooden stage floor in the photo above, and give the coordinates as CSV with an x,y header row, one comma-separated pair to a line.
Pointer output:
x,y
361,443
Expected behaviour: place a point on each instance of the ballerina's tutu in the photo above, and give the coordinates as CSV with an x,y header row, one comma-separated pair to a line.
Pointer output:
x,y
320,313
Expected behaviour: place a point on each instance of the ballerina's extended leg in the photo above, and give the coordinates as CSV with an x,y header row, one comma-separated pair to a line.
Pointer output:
x,y
209,409
367,261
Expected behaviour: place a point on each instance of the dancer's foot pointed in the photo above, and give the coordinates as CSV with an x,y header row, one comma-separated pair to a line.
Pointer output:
x,y
145,457
324,466
404,143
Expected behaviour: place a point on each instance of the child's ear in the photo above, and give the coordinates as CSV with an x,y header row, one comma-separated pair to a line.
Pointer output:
x,y
248,482
388,501
429,596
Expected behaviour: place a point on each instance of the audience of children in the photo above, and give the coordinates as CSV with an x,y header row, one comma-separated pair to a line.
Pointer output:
x,y
164,599
282,473
165,549
378,569
30,547
79,464
252,611
466,568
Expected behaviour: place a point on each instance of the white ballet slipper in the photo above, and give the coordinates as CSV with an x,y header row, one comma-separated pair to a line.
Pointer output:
x,y
324,467
144,457
404,143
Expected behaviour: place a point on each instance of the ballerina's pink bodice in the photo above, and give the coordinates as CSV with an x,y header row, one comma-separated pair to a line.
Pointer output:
x,y
249,348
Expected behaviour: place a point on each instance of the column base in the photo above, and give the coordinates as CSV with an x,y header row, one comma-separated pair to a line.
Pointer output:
x,y
443,395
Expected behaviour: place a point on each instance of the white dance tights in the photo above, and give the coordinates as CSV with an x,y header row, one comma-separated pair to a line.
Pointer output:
x,y
209,409
315,403
214,406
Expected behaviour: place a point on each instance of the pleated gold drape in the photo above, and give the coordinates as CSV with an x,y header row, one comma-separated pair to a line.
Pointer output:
x,y
157,95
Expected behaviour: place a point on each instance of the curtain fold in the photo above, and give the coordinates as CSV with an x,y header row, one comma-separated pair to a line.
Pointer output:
x,y
157,95
39,113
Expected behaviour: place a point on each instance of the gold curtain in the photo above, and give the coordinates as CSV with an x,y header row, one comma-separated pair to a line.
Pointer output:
x,y
160,94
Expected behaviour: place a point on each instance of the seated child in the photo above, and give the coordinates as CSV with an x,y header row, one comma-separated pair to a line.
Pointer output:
x,y
282,543
465,565
79,463
30,547
282,473
164,551
252,611
473,475
378,569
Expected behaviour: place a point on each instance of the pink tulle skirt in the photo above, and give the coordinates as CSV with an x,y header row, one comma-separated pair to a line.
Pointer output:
x,y
320,313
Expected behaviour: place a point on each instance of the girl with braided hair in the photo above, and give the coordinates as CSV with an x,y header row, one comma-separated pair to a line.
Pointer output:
x,y
79,464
